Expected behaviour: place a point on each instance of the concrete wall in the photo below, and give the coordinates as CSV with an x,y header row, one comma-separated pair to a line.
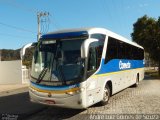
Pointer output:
x,y
11,72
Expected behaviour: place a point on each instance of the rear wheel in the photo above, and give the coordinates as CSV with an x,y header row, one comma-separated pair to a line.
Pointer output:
x,y
106,95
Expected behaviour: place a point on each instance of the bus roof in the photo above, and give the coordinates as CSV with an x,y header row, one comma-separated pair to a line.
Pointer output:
x,y
84,31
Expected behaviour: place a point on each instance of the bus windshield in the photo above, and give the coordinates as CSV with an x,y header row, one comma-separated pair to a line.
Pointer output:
x,y
57,61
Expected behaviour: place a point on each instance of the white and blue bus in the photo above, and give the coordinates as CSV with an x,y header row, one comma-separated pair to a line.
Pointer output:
x,y
77,68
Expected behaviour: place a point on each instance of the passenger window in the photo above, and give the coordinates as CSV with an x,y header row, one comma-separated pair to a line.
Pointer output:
x,y
117,49
112,50
121,49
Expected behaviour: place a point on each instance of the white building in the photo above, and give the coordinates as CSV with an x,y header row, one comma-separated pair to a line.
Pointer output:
x,y
12,72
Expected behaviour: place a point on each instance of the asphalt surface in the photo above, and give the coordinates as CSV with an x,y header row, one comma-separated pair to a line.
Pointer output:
x,y
17,106
141,101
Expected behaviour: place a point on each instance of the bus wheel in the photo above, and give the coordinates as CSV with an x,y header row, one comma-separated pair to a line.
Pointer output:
x,y
137,81
106,95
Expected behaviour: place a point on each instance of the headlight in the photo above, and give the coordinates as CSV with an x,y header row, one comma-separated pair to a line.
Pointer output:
x,y
70,93
76,91
73,92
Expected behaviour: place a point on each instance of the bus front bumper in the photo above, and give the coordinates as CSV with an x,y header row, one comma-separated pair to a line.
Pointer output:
x,y
71,101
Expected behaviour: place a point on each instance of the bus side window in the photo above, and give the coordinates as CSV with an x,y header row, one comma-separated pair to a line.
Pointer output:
x,y
121,50
112,50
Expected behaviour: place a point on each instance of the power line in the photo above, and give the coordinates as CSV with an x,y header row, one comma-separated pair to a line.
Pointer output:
x,y
15,36
41,15
45,21
108,12
20,6
56,24
17,28
24,8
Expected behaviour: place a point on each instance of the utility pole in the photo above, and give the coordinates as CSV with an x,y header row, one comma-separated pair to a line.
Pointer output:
x,y
39,15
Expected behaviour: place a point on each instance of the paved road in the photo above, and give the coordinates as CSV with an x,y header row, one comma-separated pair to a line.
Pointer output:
x,y
17,105
142,100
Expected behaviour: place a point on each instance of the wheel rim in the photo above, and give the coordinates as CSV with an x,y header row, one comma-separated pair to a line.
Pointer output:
x,y
105,96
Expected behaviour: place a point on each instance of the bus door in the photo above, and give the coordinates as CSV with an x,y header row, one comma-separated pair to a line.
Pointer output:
x,y
92,64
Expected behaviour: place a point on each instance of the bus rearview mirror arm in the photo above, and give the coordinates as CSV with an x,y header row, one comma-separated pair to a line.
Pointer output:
x,y
85,47
23,49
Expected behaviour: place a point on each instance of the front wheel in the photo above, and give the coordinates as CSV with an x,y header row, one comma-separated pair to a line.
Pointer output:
x,y
106,95
137,82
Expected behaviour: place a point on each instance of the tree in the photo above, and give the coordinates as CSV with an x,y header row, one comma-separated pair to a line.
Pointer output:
x,y
7,55
27,61
146,32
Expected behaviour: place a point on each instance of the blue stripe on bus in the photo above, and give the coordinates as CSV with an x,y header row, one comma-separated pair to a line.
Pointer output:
x,y
64,35
115,65
53,87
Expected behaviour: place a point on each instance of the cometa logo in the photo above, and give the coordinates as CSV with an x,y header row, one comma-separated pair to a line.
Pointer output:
x,y
124,65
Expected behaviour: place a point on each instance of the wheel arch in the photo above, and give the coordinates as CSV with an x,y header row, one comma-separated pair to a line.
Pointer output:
x,y
109,83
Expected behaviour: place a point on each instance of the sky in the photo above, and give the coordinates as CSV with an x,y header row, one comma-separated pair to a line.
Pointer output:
x,y
18,18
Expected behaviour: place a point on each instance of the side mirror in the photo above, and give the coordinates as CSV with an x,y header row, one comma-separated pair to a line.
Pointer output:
x,y
23,49
85,47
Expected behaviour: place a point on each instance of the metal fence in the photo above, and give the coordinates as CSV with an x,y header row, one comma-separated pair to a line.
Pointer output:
x,y
25,75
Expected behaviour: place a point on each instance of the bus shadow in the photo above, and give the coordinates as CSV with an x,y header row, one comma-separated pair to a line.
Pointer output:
x,y
17,106
58,113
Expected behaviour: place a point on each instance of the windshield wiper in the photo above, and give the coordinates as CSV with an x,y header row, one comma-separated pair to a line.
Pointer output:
x,y
41,75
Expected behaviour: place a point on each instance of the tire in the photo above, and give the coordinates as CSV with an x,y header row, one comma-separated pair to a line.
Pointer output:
x,y
137,82
106,95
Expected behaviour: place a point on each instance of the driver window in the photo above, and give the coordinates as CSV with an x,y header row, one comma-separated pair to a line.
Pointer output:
x,y
92,57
